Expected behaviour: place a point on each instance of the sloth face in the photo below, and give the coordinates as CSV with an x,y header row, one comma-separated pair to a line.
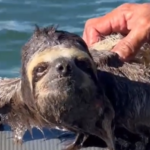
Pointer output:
x,y
61,79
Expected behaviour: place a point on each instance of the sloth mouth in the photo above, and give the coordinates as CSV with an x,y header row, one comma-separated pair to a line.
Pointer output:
x,y
60,79
62,84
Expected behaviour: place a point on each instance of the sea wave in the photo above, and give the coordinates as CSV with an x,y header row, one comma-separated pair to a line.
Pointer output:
x,y
15,26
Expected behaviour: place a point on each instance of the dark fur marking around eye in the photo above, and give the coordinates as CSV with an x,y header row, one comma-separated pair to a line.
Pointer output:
x,y
85,66
39,71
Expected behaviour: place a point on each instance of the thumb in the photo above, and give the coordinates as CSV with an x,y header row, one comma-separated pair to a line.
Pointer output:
x,y
128,47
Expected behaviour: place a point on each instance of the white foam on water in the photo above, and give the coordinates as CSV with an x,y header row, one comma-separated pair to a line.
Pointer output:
x,y
15,25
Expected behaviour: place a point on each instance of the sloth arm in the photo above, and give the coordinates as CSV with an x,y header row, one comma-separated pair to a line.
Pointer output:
x,y
10,94
7,91
11,104
13,110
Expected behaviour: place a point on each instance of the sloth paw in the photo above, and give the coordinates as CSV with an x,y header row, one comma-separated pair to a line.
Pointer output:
x,y
18,134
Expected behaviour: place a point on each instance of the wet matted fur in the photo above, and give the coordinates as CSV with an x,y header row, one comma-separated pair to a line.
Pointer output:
x,y
112,84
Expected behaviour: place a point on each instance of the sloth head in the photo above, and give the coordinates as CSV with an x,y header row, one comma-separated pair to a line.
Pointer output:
x,y
57,70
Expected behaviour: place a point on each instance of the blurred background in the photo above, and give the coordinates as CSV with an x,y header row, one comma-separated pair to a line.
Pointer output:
x,y
17,19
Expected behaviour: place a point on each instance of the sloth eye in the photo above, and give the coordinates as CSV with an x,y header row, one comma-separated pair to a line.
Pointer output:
x,y
39,71
40,68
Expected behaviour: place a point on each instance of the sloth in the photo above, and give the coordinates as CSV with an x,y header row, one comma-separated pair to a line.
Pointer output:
x,y
58,78
65,85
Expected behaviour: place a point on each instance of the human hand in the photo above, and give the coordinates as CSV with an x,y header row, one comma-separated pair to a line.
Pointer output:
x,y
132,20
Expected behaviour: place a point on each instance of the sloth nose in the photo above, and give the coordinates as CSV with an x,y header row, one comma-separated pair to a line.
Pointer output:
x,y
64,68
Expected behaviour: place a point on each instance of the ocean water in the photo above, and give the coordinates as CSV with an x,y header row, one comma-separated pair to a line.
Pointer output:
x,y
17,20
